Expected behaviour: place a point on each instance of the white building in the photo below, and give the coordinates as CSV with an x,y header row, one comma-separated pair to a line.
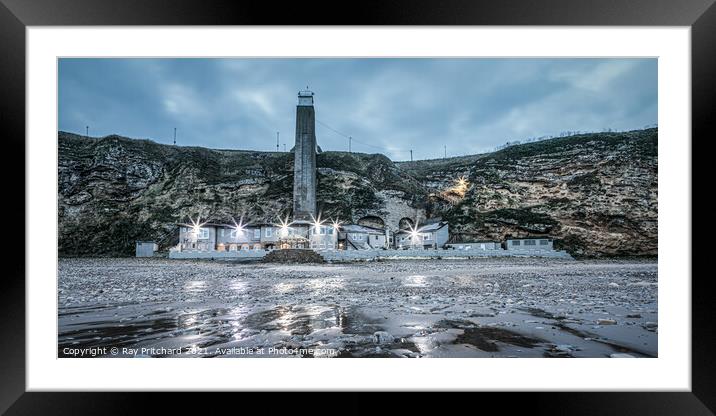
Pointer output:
x,y
359,237
433,235
529,244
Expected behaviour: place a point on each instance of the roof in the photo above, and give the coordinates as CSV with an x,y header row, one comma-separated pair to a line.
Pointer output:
x,y
426,228
218,224
303,222
528,238
355,228
432,227
475,242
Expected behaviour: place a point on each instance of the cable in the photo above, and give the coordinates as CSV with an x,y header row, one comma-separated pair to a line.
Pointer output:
x,y
358,141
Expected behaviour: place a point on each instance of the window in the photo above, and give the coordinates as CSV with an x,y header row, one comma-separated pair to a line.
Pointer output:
x,y
515,242
203,234
257,233
222,232
530,242
543,242
330,231
233,234
427,236
268,232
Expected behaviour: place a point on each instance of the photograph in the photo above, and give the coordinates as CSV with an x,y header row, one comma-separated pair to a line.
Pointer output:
x,y
357,207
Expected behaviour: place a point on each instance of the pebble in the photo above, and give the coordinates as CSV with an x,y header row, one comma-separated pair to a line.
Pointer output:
x,y
382,337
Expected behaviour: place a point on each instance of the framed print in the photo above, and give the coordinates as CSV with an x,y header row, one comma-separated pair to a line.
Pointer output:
x,y
453,199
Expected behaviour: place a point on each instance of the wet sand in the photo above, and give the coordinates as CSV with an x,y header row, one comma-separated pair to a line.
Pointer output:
x,y
505,307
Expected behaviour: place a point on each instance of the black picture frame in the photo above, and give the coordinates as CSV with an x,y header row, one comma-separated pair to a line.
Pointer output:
x,y
16,15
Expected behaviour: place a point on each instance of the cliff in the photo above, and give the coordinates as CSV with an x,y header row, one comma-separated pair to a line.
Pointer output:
x,y
595,193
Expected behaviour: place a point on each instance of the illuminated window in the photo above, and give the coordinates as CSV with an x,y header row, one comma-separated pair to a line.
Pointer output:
x,y
268,232
257,233
203,234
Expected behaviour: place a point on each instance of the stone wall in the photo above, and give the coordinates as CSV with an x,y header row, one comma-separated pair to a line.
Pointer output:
x,y
355,255
212,254
311,256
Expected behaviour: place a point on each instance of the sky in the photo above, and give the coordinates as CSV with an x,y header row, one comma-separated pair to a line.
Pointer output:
x,y
390,106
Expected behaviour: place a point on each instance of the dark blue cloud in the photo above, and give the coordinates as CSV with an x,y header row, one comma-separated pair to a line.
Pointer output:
x,y
387,105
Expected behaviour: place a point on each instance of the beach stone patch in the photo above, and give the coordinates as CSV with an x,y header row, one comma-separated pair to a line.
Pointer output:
x,y
293,256
486,338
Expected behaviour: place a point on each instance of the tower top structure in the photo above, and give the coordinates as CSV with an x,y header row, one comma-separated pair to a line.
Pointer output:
x,y
305,98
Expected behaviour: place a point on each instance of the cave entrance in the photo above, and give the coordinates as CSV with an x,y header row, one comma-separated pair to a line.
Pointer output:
x,y
372,221
405,223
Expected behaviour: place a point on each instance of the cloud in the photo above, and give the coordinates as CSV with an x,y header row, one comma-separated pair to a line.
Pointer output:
x,y
597,78
262,99
386,105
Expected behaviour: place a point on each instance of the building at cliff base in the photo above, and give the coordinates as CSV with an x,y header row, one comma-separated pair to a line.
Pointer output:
x,y
218,237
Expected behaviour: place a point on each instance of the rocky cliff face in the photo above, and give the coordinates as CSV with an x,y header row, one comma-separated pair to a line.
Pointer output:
x,y
596,194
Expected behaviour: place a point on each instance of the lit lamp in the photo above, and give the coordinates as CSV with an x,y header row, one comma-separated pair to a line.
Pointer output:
x,y
283,226
238,227
195,228
414,234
